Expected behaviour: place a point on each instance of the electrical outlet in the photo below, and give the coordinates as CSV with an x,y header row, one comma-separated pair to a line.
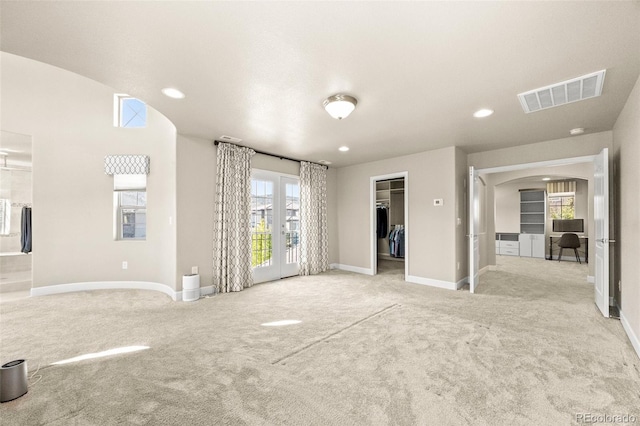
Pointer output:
x,y
125,264
194,270
438,202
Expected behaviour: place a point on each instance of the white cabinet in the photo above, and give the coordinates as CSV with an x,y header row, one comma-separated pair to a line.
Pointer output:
x,y
507,244
532,245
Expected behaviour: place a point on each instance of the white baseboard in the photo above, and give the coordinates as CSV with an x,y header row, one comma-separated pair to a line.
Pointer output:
x,y
105,285
635,342
356,269
462,283
591,279
432,282
487,268
204,291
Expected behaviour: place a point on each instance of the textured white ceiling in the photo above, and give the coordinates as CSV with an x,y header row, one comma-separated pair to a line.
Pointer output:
x,y
260,71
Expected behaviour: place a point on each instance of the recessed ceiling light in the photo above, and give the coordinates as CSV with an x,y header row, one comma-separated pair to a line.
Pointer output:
x,y
577,131
481,113
343,148
173,93
546,179
324,162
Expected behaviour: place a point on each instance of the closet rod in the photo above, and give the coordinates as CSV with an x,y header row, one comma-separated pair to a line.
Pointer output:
x,y
282,157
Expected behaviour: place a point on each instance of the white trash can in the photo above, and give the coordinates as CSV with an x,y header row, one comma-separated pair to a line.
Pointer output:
x,y
190,287
13,380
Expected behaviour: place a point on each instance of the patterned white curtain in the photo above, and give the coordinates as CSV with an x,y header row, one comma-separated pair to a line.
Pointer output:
x,y
314,246
232,226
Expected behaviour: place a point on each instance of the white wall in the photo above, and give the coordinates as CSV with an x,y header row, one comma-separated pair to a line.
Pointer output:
x,y
196,177
577,146
70,119
583,171
626,141
196,183
507,204
432,249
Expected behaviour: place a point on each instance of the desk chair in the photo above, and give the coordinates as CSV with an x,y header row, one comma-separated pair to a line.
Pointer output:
x,y
569,241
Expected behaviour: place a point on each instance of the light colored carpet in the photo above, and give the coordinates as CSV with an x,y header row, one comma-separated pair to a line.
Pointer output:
x,y
530,348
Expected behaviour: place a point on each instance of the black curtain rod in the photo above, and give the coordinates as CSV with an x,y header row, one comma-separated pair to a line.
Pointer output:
x,y
282,157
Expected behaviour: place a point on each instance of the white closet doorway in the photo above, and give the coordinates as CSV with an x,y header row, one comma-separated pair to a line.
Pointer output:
x,y
389,224
275,225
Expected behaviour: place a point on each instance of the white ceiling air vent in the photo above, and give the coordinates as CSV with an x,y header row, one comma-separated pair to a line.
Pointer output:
x,y
576,89
229,139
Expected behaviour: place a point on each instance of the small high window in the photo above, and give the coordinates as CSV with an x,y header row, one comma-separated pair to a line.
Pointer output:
x,y
129,112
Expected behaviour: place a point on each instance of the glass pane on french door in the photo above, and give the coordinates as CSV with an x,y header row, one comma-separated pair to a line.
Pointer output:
x,y
262,197
291,226
275,225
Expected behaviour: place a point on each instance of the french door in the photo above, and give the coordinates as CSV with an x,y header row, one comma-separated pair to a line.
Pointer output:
x,y
275,225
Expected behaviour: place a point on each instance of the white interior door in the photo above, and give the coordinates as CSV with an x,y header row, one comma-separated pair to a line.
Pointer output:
x,y
601,218
275,225
474,226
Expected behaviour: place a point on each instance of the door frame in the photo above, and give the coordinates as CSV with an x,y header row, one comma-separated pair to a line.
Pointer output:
x,y
547,163
276,232
373,234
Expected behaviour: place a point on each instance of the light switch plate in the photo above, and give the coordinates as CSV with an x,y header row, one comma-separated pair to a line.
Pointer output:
x,y
194,270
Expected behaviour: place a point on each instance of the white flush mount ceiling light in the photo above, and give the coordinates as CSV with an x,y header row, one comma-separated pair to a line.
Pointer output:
x,y
482,113
546,179
577,131
343,148
340,106
173,93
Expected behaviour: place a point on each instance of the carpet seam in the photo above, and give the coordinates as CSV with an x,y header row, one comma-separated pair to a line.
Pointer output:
x,y
304,348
